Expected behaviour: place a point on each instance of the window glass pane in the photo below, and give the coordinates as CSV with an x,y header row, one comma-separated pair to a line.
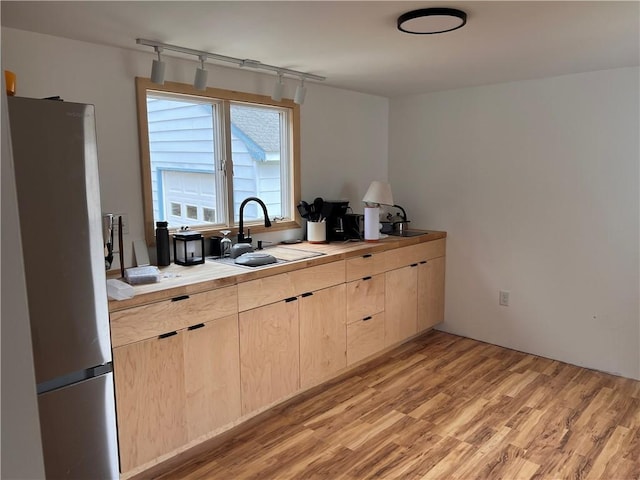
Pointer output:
x,y
208,214
192,212
257,155
182,146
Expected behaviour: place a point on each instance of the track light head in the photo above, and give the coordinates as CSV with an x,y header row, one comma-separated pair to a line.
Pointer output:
x,y
200,81
301,91
278,89
157,68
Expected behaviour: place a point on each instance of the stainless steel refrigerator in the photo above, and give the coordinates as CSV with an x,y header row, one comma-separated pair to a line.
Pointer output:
x,y
56,168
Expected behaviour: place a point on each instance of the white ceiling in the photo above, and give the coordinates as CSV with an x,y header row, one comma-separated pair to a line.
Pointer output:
x,y
356,44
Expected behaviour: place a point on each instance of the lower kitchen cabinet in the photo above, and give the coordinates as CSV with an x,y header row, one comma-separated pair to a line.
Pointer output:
x,y
150,399
365,337
174,388
400,304
212,375
269,354
430,292
323,339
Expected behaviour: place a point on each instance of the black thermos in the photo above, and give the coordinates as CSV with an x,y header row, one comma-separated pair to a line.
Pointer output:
x,y
162,244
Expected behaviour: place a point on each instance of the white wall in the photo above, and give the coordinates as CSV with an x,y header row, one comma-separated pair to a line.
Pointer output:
x,y
343,133
537,184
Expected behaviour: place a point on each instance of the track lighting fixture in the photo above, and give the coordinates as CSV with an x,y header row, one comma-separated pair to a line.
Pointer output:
x,y
157,68
200,82
301,91
278,89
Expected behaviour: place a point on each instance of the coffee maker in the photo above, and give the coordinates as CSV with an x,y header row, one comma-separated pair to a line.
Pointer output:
x,y
336,211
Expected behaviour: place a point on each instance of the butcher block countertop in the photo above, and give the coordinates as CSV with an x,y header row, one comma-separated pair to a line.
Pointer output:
x,y
179,280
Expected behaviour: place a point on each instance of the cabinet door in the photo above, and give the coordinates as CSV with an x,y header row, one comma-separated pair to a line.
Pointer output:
x,y
323,336
401,304
269,354
212,375
150,400
430,293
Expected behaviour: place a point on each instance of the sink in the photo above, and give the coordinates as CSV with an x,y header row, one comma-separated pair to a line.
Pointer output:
x,y
281,254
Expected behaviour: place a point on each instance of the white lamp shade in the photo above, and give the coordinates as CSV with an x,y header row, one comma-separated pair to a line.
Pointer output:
x,y
379,193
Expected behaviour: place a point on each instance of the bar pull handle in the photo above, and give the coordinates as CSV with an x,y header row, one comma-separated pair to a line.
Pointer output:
x,y
195,327
306,294
368,255
366,278
413,265
367,318
291,299
167,335
423,262
181,297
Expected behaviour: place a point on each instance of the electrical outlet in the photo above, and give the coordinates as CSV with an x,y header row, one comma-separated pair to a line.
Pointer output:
x,y
125,224
504,298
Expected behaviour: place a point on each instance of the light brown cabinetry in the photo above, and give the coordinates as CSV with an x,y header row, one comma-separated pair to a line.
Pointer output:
x,y
189,366
149,384
365,317
401,304
212,375
323,342
179,385
269,353
414,292
292,332
430,292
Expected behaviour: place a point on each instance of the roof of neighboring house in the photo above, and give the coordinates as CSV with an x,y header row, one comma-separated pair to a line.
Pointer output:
x,y
258,127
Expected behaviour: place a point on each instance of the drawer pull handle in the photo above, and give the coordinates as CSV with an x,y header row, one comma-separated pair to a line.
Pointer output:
x,y
290,299
366,278
167,335
423,262
195,327
307,294
413,265
181,297
367,318
368,255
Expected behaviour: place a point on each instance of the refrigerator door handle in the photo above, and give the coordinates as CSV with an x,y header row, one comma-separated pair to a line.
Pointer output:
x,y
73,378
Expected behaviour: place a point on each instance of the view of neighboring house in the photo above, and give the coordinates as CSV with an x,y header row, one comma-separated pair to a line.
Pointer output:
x,y
186,152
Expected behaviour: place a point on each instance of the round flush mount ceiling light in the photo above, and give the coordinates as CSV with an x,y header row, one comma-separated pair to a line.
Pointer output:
x,y
428,21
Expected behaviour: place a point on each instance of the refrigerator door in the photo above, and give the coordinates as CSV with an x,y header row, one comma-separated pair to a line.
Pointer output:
x,y
78,429
54,145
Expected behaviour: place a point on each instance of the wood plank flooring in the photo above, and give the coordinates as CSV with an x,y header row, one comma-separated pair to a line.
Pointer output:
x,y
441,407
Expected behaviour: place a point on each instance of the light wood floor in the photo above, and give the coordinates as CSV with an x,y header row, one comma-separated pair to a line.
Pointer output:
x,y
442,407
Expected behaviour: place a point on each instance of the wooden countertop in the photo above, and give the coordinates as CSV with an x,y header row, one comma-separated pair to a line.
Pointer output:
x,y
179,280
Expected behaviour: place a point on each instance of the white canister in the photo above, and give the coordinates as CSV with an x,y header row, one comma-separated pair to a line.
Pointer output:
x,y
316,232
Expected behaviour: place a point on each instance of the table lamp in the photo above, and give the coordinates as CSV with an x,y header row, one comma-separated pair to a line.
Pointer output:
x,y
379,193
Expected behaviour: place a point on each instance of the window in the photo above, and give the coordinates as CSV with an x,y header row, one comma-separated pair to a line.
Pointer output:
x,y
203,153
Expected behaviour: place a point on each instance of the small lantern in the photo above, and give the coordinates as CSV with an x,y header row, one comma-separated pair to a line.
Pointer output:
x,y
188,248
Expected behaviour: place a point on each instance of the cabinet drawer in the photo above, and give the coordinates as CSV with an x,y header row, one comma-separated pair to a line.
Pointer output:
x,y
365,297
365,266
318,277
264,291
404,256
365,338
146,321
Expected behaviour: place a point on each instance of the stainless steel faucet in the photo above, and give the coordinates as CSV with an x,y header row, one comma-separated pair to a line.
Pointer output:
x,y
267,222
